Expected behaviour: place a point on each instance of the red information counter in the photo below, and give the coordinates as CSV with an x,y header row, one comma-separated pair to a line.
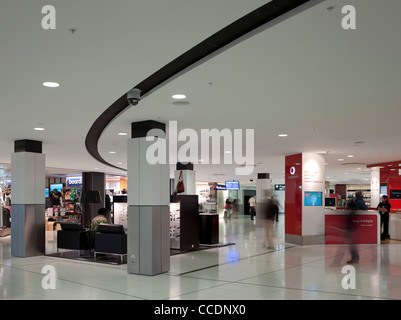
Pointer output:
x,y
365,226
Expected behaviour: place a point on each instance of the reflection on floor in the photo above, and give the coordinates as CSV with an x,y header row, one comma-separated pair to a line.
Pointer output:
x,y
246,270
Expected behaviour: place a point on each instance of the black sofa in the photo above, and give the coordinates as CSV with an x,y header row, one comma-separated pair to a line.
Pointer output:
x,y
111,239
74,237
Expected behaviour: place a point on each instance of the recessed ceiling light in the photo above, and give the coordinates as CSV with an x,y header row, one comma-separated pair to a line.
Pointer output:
x,y
51,84
96,168
350,156
179,96
122,133
200,160
39,129
283,135
227,151
112,152
119,162
340,159
358,168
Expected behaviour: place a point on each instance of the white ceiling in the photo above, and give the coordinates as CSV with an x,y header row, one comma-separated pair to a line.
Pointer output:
x,y
326,87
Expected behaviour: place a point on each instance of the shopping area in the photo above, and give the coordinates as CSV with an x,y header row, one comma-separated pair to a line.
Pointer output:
x,y
197,206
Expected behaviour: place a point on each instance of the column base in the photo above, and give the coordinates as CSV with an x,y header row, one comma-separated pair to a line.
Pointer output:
x,y
27,230
304,240
148,240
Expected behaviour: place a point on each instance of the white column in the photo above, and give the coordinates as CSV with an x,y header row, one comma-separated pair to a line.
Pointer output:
x,y
374,187
148,203
28,199
313,189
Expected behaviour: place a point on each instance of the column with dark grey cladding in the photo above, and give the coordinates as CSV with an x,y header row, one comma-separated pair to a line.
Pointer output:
x,y
148,202
28,177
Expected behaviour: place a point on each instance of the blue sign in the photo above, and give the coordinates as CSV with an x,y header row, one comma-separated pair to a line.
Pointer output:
x,y
313,198
74,182
232,185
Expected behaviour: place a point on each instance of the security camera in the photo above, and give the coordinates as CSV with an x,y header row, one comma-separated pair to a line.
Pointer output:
x,y
134,96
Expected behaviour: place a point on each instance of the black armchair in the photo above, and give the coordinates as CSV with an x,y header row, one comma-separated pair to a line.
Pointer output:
x,y
73,236
111,239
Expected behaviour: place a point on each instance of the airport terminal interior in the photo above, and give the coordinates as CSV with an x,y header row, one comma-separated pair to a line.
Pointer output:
x,y
200,150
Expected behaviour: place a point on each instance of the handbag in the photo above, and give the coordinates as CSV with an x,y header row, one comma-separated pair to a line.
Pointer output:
x,y
180,185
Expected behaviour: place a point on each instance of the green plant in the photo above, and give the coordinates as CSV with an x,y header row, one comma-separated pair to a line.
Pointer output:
x,y
94,226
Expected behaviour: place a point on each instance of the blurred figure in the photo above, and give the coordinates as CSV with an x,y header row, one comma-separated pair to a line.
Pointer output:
x,y
384,208
268,213
227,209
235,208
276,203
252,207
348,235
352,209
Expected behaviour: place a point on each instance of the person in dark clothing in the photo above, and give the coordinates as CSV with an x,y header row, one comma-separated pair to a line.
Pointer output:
x,y
384,208
56,196
350,228
360,204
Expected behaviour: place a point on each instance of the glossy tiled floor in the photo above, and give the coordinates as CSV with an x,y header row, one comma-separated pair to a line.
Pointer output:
x,y
246,270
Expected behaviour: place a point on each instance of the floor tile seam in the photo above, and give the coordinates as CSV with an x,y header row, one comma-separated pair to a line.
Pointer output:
x,y
87,263
200,290
81,284
317,291
226,263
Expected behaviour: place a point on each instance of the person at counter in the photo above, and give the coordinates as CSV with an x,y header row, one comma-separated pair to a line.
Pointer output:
x,y
384,208
359,202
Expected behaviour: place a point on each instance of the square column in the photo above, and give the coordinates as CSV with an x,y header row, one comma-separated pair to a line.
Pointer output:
x,y
304,198
148,201
263,192
28,202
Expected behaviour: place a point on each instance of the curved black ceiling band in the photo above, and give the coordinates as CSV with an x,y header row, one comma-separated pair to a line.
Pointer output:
x,y
258,20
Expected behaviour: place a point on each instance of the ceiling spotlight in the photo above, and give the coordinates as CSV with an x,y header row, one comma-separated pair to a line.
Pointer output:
x,y
283,135
39,129
51,84
112,152
350,156
122,134
179,96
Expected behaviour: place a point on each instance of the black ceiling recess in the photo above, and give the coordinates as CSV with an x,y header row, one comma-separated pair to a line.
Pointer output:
x,y
258,20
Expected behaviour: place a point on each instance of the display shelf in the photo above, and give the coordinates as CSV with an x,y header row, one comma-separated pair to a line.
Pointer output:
x,y
71,198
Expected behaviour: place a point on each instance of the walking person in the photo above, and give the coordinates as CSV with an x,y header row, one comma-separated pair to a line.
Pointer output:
x,y
235,208
268,210
276,203
227,209
252,207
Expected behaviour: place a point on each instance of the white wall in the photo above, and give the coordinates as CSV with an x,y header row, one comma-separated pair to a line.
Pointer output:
x,y
313,179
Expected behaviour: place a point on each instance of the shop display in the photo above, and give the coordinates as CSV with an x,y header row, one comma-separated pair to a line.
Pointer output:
x,y
184,222
120,208
175,231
